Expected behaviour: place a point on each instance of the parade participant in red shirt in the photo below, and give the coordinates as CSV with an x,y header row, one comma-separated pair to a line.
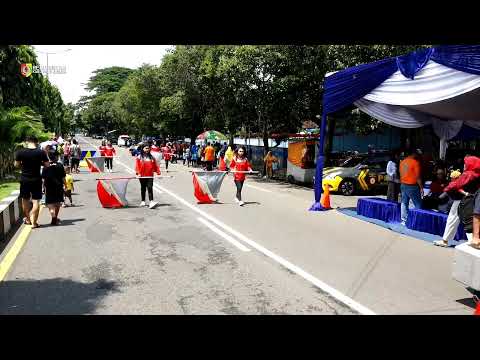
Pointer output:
x,y
154,148
167,154
240,163
109,152
145,167
102,148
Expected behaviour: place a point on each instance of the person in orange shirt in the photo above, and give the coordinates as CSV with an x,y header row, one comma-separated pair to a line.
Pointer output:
x,y
209,156
411,186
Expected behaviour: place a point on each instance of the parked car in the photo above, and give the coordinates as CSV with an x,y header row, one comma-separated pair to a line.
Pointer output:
x,y
124,140
358,173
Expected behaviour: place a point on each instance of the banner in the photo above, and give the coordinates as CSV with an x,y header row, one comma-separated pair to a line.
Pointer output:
x,y
112,192
206,185
86,154
96,164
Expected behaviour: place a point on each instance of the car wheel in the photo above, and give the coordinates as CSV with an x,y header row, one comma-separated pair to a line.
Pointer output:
x,y
291,179
347,187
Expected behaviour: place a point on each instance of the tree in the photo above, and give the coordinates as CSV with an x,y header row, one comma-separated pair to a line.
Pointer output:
x,y
108,80
15,125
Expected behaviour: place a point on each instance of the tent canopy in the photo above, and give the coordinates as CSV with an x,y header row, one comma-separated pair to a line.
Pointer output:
x,y
437,86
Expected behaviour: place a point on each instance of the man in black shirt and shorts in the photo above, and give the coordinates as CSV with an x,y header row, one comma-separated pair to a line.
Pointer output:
x,y
30,161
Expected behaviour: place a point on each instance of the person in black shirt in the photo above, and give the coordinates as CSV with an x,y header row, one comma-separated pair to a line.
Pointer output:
x,y
54,182
30,161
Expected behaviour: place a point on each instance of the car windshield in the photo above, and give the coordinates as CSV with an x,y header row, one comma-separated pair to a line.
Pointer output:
x,y
351,162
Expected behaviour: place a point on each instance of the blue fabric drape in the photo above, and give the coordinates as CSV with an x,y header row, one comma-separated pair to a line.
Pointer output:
x,y
467,133
381,209
412,63
344,87
431,222
459,57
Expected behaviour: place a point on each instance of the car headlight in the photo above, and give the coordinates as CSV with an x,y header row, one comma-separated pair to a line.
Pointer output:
x,y
331,176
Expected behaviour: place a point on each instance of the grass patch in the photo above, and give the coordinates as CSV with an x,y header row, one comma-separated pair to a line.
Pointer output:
x,y
7,186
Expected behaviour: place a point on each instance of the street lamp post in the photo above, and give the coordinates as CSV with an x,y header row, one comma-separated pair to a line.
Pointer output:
x,y
59,129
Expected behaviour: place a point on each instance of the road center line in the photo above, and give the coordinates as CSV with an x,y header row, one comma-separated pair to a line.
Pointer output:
x,y
222,234
299,271
258,188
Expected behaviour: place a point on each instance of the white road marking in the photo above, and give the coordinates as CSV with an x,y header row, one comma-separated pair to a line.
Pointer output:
x,y
296,269
222,234
258,188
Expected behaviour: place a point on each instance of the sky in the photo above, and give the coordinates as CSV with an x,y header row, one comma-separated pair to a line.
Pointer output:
x,y
82,60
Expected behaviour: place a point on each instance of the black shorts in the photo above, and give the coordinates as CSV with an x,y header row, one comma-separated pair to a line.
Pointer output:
x,y
31,189
74,162
68,193
54,196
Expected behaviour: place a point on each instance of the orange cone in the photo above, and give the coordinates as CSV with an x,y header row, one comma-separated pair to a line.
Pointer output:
x,y
477,310
325,201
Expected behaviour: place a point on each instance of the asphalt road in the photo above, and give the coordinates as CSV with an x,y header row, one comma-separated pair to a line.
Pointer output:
x,y
185,258
141,261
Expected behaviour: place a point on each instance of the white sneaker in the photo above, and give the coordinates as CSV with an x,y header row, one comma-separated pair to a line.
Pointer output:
x,y
142,203
152,204
237,201
241,203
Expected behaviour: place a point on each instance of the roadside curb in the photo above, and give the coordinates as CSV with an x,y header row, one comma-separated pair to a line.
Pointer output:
x,y
10,214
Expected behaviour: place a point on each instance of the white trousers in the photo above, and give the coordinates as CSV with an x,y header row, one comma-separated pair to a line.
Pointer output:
x,y
453,221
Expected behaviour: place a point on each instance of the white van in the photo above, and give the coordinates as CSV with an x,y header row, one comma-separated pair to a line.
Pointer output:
x,y
124,140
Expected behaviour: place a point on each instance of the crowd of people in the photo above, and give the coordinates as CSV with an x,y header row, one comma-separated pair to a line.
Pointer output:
x,y
451,188
208,157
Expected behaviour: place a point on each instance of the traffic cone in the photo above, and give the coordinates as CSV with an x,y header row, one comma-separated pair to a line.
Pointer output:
x,y
325,201
477,310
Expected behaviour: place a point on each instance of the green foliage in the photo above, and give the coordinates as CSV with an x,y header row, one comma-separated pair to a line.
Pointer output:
x,y
233,89
15,125
108,80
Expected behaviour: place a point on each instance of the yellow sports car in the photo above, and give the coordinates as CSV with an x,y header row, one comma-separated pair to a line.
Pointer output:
x,y
357,173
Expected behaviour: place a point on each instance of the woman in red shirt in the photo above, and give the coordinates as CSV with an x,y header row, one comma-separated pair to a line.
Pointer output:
x,y
109,151
145,167
240,163
167,155
102,148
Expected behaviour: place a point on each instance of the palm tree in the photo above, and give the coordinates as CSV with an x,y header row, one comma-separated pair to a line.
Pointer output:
x,y
15,125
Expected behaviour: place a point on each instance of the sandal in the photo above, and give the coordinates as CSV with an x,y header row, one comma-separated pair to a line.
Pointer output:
x,y
26,221
440,243
35,226
475,246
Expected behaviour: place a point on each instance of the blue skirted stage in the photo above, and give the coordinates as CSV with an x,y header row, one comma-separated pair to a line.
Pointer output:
x,y
426,225
380,209
431,222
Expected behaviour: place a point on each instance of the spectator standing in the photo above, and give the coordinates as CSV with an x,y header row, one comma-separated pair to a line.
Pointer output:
x,y
209,156
411,184
194,154
393,178
269,160
76,154
30,160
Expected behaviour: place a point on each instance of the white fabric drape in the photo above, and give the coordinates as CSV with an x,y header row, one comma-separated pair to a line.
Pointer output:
x,y
433,83
438,96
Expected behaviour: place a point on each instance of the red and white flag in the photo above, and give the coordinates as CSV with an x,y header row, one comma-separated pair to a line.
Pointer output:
x,y
112,192
96,164
206,185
